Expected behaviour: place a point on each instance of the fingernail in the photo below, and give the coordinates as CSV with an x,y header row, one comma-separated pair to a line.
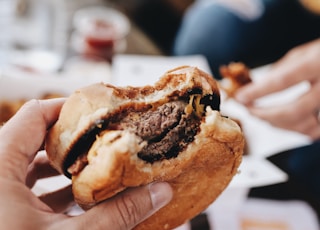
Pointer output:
x,y
161,194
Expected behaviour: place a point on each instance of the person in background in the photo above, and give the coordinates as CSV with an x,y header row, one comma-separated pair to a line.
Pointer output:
x,y
284,34
21,138
300,64
302,114
255,32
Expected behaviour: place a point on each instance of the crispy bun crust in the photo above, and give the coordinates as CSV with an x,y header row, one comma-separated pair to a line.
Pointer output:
x,y
197,175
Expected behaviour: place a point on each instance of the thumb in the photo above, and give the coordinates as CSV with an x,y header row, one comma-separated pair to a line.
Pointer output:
x,y
127,209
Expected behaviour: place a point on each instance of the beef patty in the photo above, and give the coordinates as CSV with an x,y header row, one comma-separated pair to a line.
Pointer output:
x,y
167,130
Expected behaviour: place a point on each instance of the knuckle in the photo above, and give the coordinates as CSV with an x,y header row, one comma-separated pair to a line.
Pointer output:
x,y
32,103
130,213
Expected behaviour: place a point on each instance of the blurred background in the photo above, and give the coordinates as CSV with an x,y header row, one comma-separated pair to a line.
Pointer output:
x,y
44,29
51,47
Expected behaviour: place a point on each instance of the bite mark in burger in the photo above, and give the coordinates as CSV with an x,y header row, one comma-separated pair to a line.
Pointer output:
x,y
166,128
111,138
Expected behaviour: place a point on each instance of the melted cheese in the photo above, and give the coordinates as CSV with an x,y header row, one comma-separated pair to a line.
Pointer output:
x,y
195,106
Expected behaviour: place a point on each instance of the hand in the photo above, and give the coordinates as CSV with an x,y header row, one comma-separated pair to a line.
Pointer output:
x,y
300,64
20,139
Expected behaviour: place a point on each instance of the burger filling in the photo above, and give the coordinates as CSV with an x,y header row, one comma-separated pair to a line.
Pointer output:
x,y
167,128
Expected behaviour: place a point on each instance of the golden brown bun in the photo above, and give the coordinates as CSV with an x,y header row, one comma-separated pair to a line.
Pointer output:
x,y
235,75
197,175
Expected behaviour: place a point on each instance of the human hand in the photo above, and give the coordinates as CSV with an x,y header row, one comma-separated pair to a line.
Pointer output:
x,y
300,64
21,138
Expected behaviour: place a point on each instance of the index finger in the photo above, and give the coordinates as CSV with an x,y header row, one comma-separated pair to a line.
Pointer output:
x,y
282,75
22,136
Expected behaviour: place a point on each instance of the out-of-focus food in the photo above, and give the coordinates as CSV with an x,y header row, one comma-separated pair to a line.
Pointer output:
x,y
235,75
8,107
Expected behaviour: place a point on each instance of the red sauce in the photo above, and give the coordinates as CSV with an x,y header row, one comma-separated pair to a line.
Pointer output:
x,y
100,39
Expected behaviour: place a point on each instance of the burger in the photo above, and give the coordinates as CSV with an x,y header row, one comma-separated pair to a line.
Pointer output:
x,y
235,75
108,139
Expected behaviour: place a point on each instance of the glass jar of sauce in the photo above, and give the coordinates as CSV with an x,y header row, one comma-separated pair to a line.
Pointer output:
x,y
99,32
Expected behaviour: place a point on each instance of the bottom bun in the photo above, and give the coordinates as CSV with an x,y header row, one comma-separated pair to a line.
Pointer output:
x,y
197,175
